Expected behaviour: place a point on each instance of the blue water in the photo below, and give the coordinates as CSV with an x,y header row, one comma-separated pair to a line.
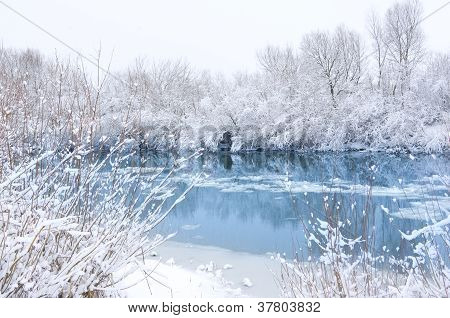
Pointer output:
x,y
259,202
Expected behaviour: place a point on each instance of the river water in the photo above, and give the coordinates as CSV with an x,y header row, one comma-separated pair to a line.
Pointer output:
x,y
268,203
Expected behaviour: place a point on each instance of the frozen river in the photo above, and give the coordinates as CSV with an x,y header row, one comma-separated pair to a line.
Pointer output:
x,y
269,203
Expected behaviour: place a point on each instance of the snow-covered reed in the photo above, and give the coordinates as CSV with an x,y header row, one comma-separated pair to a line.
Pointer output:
x,y
70,222
70,217
351,266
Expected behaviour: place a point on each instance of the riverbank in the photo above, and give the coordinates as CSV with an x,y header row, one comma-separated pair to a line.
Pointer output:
x,y
188,270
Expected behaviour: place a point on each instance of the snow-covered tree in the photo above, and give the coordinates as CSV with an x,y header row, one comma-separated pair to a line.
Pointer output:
x,y
404,40
337,57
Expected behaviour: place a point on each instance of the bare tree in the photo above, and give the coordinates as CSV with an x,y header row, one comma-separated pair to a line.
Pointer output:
x,y
166,85
375,27
282,64
404,39
338,57
351,50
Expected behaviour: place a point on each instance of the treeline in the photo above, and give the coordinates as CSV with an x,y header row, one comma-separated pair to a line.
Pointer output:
x,y
331,92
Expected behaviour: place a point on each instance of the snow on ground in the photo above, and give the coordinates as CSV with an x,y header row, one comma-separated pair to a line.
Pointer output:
x,y
186,270
174,281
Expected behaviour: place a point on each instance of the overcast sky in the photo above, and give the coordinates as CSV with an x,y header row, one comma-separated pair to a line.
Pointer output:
x,y
216,35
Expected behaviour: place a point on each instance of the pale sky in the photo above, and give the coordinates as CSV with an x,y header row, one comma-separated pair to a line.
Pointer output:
x,y
216,35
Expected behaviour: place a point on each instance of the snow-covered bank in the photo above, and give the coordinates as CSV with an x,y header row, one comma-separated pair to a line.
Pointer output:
x,y
186,270
170,280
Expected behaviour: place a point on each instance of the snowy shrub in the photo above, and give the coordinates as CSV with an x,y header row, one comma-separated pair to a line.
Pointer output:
x,y
71,223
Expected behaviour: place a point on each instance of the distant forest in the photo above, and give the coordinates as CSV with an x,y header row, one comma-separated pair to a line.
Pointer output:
x,y
330,92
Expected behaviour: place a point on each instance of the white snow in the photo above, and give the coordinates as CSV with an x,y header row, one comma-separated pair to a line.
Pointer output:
x,y
247,282
429,210
170,261
190,227
205,271
175,281
437,228
276,184
386,210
